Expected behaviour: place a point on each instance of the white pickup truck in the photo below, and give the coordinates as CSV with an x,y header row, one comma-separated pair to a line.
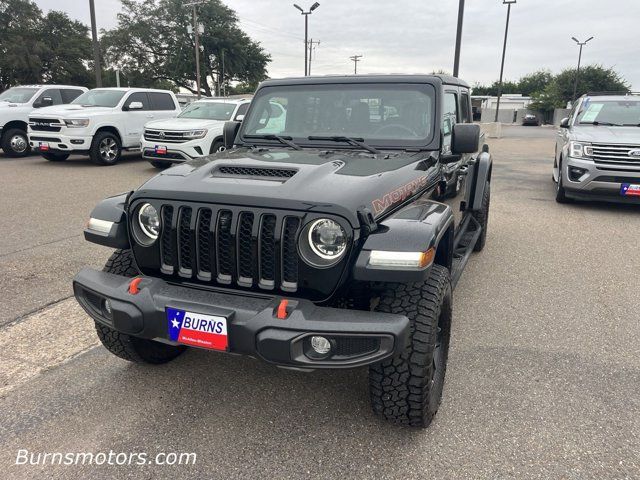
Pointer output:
x,y
196,132
17,103
102,123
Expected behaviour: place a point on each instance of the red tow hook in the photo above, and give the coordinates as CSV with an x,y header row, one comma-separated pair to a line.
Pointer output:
x,y
134,285
282,309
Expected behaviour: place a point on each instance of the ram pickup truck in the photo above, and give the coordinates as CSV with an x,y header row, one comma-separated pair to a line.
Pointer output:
x,y
196,132
327,243
102,123
17,103
598,150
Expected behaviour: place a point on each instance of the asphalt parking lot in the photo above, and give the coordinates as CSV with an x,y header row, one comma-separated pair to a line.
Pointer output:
x,y
543,371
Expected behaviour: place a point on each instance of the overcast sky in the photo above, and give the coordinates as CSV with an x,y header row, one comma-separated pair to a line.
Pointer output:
x,y
418,36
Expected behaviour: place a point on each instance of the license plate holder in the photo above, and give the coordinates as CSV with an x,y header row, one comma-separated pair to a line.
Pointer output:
x,y
630,190
161,150
43,146
197,329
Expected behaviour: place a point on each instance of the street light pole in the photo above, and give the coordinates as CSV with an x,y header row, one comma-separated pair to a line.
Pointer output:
x,y
504,51
575,83
456,61
96,46
306,33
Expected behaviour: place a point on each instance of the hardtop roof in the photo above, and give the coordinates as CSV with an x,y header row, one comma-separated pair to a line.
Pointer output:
x,y
351,79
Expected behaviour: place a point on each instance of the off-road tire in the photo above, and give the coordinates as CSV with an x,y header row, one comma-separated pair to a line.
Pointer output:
x,y
54,157
407,389
482,217
561,194
132,349
99,142
5,143
160,164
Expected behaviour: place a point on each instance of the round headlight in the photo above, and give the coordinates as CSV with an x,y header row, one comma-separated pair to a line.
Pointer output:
x,y
149,223
327,239
323,243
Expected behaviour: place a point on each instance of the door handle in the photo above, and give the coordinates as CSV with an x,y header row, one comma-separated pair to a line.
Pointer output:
x,y
149,116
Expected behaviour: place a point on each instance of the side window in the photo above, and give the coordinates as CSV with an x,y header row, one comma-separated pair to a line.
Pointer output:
x,y
465,113
242,110
161,101
449,114
138,97
53,94
70,94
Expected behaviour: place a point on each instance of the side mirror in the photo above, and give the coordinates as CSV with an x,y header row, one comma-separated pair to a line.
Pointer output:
x,y
46,102
465,138
564,123
135,106
239,118
229,133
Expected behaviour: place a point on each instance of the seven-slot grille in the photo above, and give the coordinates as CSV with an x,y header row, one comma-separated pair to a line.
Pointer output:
x,y
45,124
165,136
614,154
218,245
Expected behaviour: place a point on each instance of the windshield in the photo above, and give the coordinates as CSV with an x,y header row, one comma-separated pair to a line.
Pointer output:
x,y
99,98
209,111
18,95
380,114
610,112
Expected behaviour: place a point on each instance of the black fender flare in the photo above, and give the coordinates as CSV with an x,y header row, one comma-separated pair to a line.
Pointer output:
x,y
479,174
419,227
113,210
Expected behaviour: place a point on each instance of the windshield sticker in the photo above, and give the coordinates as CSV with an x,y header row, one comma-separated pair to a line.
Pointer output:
x,y
592,113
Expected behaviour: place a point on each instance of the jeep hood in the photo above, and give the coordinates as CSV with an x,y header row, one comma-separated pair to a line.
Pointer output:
x,y
185,124
340,183
604,134
70,111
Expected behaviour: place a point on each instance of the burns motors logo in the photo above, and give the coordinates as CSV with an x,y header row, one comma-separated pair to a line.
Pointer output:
x,y
197,329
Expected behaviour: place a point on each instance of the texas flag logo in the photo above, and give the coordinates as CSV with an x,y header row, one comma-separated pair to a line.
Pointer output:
x,y
630,190
197,329
161,150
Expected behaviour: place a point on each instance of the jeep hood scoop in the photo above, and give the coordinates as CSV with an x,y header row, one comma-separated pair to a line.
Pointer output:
x,y
340,182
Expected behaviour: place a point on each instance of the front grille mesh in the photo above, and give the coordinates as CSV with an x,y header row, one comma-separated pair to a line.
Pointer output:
x,y
228,246
267,231
615,154
223,246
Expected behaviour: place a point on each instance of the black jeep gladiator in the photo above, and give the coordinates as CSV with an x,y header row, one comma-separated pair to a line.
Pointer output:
x,y
328,236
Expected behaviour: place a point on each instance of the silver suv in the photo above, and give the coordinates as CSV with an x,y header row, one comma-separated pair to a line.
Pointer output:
x,y
598,150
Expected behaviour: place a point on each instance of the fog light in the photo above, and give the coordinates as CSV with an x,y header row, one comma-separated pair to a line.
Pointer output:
x,y
106,305
320,345
575,173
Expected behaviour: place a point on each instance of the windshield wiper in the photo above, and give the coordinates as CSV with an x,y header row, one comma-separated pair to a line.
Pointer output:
x,y
270,136
606,124
356,142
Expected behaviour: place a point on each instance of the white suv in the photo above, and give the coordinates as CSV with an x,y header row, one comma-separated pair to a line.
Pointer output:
x,y
18,102
196,132
101,123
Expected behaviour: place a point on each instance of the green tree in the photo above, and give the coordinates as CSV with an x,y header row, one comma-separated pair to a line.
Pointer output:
x,y
21,44
152,39
37,48
68,49
492,90
535,82
593,78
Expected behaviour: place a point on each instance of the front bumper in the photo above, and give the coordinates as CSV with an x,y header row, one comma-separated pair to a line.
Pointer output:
x,y
358,337
585,180
176,152
61,141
